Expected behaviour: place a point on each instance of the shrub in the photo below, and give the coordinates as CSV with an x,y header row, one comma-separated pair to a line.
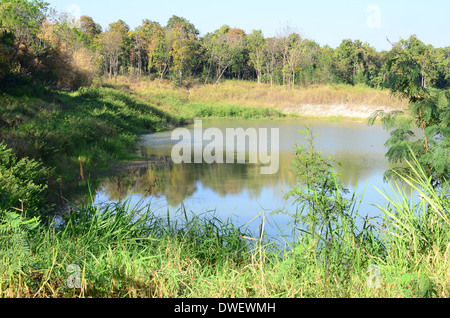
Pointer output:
x,y
15,252
21,180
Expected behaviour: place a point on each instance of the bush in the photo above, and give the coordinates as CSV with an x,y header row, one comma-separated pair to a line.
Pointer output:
x,y
15,231
22,182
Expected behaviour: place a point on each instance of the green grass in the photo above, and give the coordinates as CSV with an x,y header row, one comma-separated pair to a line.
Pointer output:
x,y
94,126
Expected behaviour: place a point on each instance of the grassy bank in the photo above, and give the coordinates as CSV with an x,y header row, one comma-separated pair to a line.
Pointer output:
x,y
123,251
91,127
98,125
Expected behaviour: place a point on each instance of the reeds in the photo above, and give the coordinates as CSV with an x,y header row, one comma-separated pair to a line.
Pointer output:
x,y
416,228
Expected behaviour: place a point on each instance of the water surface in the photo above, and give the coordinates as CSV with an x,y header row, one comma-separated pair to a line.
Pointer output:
x,y
240,191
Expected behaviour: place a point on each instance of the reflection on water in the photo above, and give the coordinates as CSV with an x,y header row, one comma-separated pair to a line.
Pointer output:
x,y
241,190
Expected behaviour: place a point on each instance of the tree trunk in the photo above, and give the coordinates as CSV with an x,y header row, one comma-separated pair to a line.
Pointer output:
x,y
110,67
221,74
140,64
293,79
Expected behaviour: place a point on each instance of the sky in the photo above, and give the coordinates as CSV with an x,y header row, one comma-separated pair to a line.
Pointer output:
x,y
325,21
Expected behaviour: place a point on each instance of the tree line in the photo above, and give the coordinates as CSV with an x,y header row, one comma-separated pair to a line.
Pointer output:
x,y
37,41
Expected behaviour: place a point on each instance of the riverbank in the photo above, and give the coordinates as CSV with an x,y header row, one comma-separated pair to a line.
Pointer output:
x,y
69,131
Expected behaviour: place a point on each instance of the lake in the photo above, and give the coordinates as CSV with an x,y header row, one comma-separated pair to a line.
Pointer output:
x,y
240,191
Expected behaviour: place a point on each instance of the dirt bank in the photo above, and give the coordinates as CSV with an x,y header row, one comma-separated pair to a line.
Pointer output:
x,y
348,111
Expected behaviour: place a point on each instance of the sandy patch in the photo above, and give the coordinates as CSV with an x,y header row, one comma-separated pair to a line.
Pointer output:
x,y
350,111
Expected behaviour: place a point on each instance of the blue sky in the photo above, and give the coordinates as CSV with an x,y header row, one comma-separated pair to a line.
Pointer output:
x,y
325,21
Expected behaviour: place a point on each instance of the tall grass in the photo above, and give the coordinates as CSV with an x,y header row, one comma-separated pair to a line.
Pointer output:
x,y
416,227
263,95
121,250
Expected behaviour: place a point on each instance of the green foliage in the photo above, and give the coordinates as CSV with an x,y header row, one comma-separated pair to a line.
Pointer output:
x,y
176,21
256,45
6,51
23,19
89,27
224,49
325,218
57,48
15,232
357,63
22,182
93,125
127,251
421,227
200,110
427,129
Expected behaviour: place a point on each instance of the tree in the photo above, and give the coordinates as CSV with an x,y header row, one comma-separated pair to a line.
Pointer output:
x,y
182,37
429,110
176,21
89,27
325,65
159,51
137,38
256,45
441,63
125,43
347,57
308,61
67,53
272,50
145,38
241,58
6,50
357,62
290,44
222,49
111,43
22,19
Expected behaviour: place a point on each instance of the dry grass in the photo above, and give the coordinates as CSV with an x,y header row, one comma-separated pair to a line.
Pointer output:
x,y
314,101
323,101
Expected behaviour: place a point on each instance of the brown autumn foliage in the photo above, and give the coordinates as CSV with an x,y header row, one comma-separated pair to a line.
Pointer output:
x,y
70,62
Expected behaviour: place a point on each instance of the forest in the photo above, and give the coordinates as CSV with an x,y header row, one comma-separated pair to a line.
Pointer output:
x,y
66,53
